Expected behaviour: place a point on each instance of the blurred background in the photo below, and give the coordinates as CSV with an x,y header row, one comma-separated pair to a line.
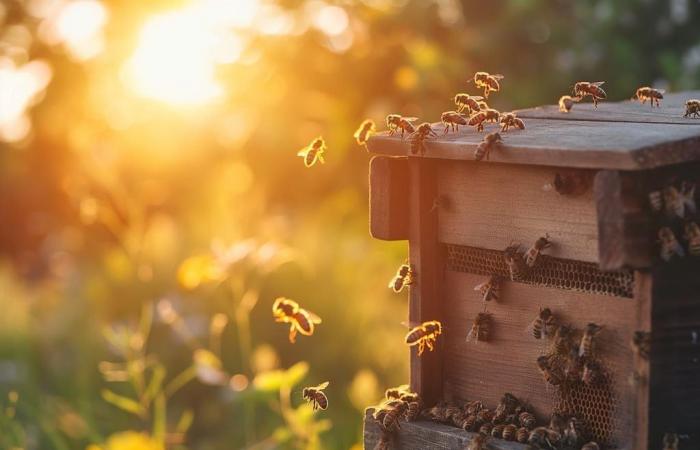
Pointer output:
x,y
153,207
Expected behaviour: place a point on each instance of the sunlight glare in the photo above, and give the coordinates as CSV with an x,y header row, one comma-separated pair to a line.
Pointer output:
x,y
78,26
20,88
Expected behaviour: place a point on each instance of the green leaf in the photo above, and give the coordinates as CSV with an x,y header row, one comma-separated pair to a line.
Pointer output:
x,y
159,418
185,422
155,385
124,403
273,380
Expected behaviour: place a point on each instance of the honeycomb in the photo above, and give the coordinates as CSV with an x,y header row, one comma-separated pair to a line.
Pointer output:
x,y
550,272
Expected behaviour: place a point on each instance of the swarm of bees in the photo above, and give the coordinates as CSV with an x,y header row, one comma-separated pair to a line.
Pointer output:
x,y
316,396
399,403
424,335
675,212
403,278
313,152
300,320
647,93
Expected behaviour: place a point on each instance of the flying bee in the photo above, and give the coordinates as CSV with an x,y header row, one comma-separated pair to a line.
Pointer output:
x,y
367,128
313,152
544,324
396,123
424,335
522,434
550,374
488,82
483,116
582,89
509,432
641,344
656,201
403,278
670,441
490,141
316,396
300,320
533,252
452,119
418,137
692,108
466,102
480,328
508,120
692,235
647,93
489,289
585,349
566,102
515,260
478,442
527,420
591,446
669,245
592,373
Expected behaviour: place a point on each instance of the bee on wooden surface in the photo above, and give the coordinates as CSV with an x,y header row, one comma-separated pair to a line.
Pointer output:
x,y
418,137
469,422
455,414
509,432
670,441
509,120
692,235
367,128
648,93
413,410
506,407
452,119
527,420
486,428
316,396
403,278
515,261
490,289
692,108
591,446
585,348
641,343
544,324
656,201
549,373
669,245
392,417
437,413
483,116
473,407
313,152
484,415
688,196
534,252
424,335
557,422
300,320
573,433
488,82
592,373
566,102
582,89
674,202
497,430
490,141
478,442
480,328
396,392
396,123
562,343
522,434
466,102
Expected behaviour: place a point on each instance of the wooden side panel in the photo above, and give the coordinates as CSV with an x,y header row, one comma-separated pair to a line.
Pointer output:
x,y
640,386
491,205
623,223
426,257
507,362
388,199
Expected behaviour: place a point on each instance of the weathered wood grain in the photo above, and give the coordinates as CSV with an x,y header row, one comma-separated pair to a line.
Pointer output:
x,y
640,380
423,435
388,198
491,205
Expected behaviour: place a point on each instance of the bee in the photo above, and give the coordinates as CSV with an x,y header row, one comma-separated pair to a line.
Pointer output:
x,y
674,202
480,328
497,431
483,150
557,422
550,374
478,442
367,128
437,413
393,415
452,119
670,441
483,116
313,152
515,260
591,446
573,433
473,407
490,83
396,392
522,434
692,235
466,102
641,344
469,422
300,320
582,89
527,420
403,278
396,123
506,406
482,105
418,137
669,245
486,428
585,348
316,396
692,108
534,252
656,201
484,415
647,93
566,102
489,289
509,432
562,340
454,414
544,324
413,410
508,120
424,335
574,182
592,373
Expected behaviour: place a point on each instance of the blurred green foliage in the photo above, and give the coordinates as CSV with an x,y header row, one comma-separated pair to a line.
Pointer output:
x,y
110,194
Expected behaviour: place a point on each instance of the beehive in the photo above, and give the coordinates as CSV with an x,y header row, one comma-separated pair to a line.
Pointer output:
x,y
603,267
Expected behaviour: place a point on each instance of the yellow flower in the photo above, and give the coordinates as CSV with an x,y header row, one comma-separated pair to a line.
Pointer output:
x,y
129,440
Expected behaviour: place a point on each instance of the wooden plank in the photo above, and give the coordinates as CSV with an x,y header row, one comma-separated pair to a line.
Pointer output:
x,y
624,225
492,205
388,199
425,302
671,111
422,435
507,362
640,380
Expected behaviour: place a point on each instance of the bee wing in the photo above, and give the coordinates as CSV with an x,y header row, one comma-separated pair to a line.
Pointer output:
x,y
498,76
313,317
476,97
410,119
322,386
661,91
598,83
303,151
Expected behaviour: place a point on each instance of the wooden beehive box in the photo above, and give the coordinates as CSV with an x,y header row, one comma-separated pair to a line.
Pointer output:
x,y
603,266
